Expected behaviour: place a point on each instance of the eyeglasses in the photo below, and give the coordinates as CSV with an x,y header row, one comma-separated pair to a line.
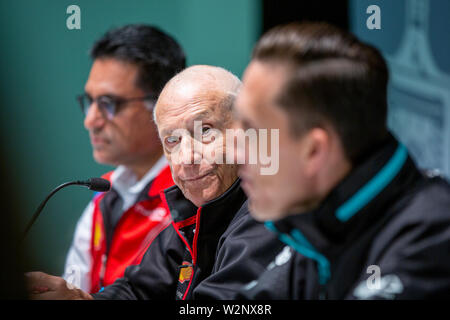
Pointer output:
x,y
109,105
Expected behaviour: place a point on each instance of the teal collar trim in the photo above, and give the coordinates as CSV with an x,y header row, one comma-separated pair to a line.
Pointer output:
x,y
370,190
347,210
298,242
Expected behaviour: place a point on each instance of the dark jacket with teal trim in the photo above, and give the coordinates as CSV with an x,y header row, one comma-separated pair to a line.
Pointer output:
x,y
382,233
206,253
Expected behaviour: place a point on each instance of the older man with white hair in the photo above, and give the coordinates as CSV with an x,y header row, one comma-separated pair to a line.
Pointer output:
x,y
213,246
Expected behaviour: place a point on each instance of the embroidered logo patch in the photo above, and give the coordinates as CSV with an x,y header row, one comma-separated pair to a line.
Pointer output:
x,y
185,272
154,214
389,287
97,236
283,257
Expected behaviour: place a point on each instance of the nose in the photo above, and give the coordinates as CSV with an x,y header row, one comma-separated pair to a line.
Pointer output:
x,y
190,152
94,118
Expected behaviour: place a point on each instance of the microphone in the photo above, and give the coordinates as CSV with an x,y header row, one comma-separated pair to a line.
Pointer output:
x,y
94,184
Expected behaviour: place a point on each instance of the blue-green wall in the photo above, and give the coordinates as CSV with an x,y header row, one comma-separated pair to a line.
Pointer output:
x,y
44,65
414,38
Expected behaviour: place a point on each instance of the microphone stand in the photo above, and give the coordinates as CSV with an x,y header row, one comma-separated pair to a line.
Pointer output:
x,y
42,205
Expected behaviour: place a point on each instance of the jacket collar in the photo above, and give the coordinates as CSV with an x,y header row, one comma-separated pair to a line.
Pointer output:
x,y
211,221
359,200
213,212
127,186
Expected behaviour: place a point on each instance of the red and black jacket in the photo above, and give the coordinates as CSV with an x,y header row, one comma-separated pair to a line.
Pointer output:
x,y
205,253
120,239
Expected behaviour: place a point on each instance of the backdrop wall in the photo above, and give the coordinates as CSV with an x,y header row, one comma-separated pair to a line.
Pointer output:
x,y
414,39
44,65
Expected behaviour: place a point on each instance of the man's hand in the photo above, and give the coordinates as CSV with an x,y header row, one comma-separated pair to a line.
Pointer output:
x,y
42,286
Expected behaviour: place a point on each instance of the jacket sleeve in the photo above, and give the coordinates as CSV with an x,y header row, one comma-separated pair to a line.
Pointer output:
x,y
78,262
417,263
243,255
154,278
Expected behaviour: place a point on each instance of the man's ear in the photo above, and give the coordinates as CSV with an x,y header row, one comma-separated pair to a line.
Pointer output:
x,y
315,150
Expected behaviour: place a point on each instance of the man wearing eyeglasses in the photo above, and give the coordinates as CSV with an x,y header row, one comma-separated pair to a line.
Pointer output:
x,y
131,66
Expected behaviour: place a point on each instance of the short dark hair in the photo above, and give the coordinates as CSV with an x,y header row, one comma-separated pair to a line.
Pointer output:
x,y
158,56
333,79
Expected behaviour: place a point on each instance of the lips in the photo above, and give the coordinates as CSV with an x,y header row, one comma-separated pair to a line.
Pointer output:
x,y
98,140
196,178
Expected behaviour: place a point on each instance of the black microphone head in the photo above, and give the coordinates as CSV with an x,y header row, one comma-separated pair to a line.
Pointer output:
x,y
99,184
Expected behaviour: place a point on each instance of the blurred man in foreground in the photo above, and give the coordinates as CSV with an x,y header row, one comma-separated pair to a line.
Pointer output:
x,y
360,221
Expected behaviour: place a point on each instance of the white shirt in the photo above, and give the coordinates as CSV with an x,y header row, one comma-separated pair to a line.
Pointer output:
x,y
124,181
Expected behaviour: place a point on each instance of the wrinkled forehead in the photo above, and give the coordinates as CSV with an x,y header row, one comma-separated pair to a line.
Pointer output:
x,y
178,110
